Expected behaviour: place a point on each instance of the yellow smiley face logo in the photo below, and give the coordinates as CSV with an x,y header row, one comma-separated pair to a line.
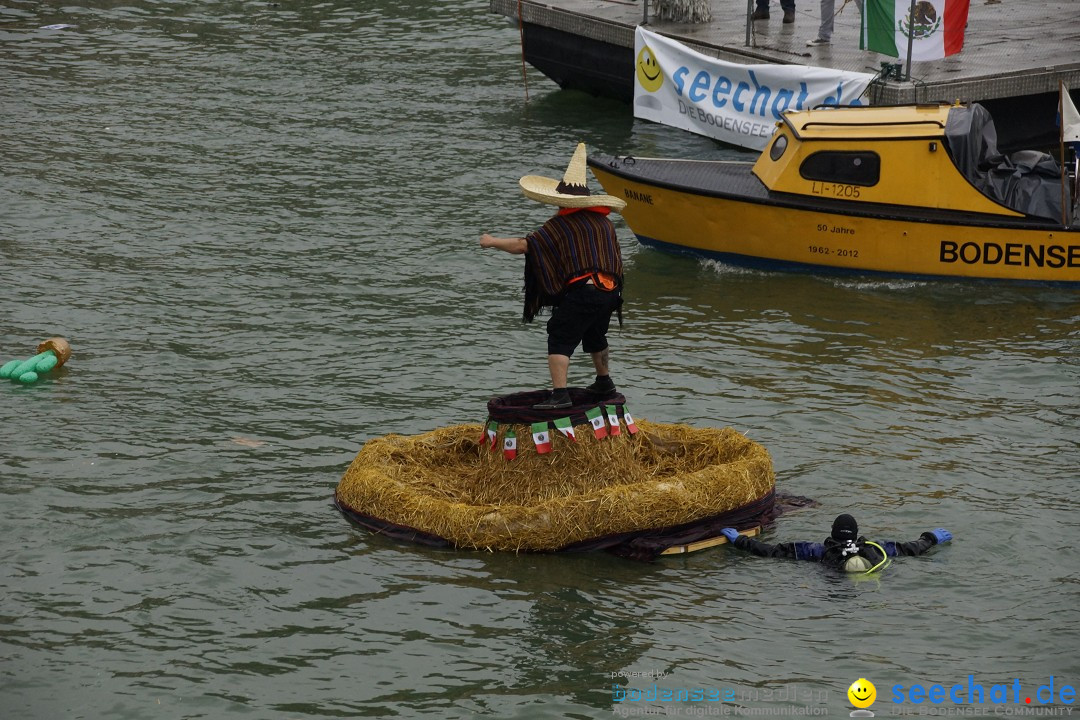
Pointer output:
x,y
648,70
862,693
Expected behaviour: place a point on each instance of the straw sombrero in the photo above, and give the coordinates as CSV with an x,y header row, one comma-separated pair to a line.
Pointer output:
x,y
572,191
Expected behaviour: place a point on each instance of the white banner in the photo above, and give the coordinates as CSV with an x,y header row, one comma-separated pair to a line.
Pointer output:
x,y
737,104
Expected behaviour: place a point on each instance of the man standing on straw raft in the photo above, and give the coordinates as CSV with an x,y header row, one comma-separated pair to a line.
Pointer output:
x,y
573,265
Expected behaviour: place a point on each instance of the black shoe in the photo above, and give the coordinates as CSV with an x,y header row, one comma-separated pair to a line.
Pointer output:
x,y
789,16
559,400
760,15
603,387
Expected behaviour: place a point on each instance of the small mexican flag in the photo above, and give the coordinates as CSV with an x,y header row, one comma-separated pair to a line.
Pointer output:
x,y
541,437
630,426
596,417
566,427
492,432
510,445
613,420
936,27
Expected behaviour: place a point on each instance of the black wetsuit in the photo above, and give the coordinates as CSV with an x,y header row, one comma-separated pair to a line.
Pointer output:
x,y
833,553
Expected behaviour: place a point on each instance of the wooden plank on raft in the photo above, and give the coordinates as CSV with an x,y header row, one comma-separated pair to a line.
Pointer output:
x,y
706,543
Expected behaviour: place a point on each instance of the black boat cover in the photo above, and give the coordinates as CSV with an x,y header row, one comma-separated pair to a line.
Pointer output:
x,y
1028,181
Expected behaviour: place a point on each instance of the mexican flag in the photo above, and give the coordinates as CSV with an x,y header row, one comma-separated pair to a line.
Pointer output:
x,y
541,437
510,445
613,420
596,417
566,427
631,427
935,26
492,431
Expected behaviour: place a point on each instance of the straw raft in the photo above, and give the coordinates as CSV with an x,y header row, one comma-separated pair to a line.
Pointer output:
x,y
448,484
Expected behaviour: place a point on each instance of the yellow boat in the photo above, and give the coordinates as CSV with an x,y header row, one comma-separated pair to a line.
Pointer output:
x,y
911,190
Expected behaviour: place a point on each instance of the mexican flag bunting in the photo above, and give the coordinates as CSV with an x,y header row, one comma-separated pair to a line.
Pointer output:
x,y
613,420
596,417
566,427
510,445
630,426
541,437
492,432
936,27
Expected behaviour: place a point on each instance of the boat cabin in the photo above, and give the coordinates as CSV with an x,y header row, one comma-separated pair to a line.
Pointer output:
x,y
922,156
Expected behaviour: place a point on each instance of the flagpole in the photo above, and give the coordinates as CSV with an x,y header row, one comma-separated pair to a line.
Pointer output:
x,y
1061,149
749,22
910,37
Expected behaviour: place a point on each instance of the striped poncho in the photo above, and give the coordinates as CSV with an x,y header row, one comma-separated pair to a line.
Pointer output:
x,y
570,244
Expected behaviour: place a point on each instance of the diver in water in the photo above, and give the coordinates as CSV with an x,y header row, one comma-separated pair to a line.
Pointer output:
x,y
844,549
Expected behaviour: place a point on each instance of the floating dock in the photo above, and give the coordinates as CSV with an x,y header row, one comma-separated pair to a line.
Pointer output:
x,y
1015,52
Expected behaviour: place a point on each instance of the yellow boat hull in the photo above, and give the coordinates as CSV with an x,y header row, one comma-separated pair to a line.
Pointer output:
x,y
762,228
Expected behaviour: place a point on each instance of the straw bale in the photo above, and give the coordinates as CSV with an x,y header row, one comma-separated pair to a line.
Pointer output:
x,y
447,484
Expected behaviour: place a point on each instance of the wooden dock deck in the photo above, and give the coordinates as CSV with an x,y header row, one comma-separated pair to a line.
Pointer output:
x,y
1015,51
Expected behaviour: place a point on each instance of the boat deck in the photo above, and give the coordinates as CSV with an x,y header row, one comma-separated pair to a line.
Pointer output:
x,y
1012,48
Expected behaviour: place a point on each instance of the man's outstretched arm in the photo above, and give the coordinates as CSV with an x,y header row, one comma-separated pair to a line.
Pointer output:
x,y
514,246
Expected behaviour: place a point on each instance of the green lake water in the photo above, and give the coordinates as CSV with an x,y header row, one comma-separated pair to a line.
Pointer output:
x,y
257,225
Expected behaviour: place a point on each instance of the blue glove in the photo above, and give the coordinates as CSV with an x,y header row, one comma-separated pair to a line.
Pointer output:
x,y
941,535
730,533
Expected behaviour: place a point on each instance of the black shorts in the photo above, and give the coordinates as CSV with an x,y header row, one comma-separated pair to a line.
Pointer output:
x,y
582,317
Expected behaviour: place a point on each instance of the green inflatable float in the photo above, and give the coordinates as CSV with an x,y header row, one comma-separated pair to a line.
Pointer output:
x,y
51,354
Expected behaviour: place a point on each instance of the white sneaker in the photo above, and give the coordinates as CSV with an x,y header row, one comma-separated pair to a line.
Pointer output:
x,y
816,42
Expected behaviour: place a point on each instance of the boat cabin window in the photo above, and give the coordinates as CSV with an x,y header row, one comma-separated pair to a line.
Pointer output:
x,y
778,147
849,168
